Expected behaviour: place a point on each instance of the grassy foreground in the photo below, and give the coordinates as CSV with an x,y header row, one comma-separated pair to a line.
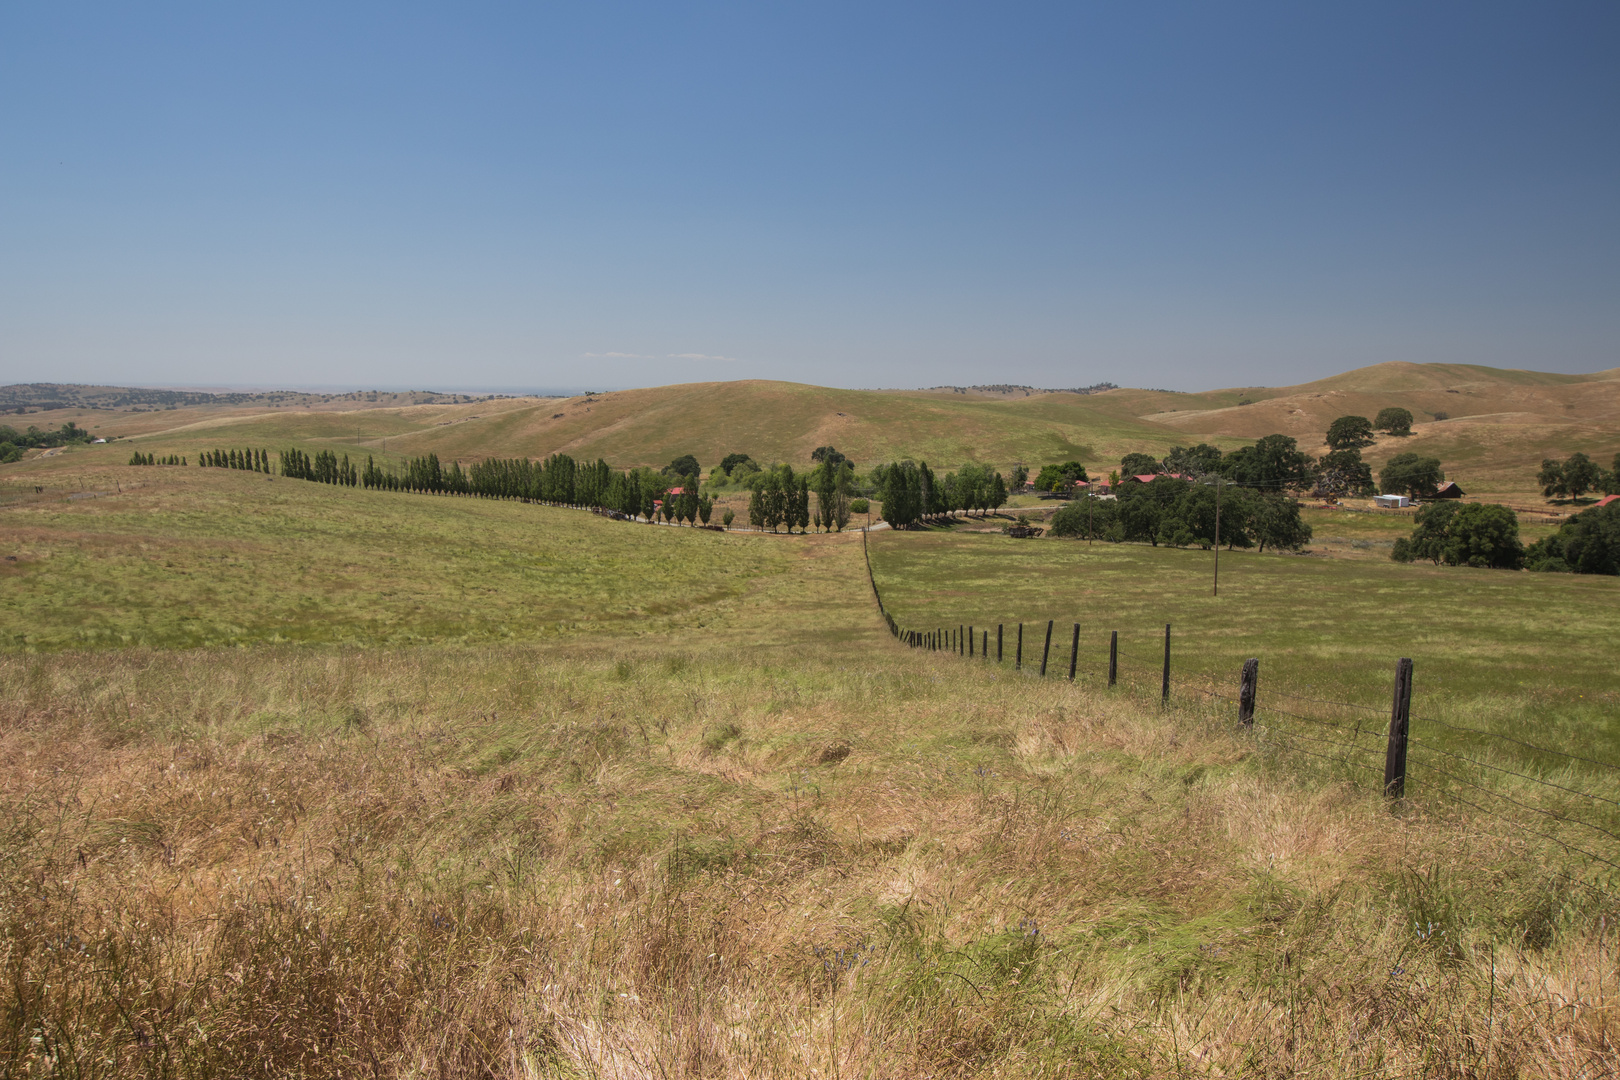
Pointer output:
x,y
502,861
657,802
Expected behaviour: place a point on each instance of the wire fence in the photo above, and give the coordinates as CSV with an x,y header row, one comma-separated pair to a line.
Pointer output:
x,y
1567,799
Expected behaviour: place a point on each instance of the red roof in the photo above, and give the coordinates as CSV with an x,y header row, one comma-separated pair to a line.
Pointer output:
x,y
677,491
1606,500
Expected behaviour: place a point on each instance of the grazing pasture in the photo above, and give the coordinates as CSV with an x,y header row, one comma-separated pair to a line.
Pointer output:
x,y
308,781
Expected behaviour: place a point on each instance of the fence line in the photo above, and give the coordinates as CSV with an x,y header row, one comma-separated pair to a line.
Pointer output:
x,y
975,641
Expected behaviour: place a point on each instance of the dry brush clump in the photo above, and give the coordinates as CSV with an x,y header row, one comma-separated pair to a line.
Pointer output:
x,y
512,862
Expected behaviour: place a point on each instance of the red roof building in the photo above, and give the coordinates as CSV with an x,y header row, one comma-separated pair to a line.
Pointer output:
x,y
1606,500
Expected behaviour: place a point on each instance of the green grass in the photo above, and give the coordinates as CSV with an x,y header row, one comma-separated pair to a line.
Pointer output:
x,y
213,557
1531,654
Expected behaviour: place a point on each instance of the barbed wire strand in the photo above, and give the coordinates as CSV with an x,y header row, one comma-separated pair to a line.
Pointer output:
x,y
1521,742
1525,806
1565,844
1522,776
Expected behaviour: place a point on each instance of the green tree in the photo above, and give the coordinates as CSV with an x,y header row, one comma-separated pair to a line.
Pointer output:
x,y
1342,472
1274,521
1551,479
731,461
1017,478
685,465
1275,463
1411,474
728,517
1193,462
1138,464
826,455
1473,534
1395,420
1581,474
1350,433
1588,543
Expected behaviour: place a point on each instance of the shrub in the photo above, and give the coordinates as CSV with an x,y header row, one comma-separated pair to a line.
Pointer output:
x,y
859,506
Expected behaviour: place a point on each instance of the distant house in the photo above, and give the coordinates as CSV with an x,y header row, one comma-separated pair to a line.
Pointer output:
x,y
1605,501
1148,478
1449,490
1391,502
677,491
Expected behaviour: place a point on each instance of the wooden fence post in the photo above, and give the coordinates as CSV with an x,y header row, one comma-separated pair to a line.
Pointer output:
x,y
961,648
1074,651
1164,698
1113,659
1018,658
1400,715
1246,690
984,647
970,642
998,642
1047,648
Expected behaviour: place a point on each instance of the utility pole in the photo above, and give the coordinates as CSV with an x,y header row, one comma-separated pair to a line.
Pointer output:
x,y
1217,589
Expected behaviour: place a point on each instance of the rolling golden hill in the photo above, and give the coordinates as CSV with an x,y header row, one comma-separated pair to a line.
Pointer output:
x,y
1490,427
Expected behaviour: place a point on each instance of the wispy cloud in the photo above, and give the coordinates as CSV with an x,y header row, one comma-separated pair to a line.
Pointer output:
x,y
665,356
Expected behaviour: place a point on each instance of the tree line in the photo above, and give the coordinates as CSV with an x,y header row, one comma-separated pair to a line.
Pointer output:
x,y
248,460
138,458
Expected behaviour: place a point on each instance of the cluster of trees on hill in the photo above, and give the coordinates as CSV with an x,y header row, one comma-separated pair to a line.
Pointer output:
x,y
138,458
249,460
14,442
1576,475
1181,513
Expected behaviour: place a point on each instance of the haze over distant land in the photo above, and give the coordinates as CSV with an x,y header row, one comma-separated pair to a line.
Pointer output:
x,y
614,196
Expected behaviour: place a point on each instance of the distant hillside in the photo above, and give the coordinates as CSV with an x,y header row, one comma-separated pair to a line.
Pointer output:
x,y
49,397
1489,427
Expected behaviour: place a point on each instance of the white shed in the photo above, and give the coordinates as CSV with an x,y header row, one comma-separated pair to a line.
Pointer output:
x,y
1391,502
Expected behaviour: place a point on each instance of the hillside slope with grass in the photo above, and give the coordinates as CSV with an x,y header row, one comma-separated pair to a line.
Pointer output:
x,y
1497,426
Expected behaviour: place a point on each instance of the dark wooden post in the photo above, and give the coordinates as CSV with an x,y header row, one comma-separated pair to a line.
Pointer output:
x,y
1074,651
998,642
1113,658
1018,658
984,646
1246,690
970,641
961,646
1164,697
1400,715
1047,648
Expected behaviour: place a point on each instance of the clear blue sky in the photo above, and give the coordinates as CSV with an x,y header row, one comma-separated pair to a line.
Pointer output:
x,y
1184,195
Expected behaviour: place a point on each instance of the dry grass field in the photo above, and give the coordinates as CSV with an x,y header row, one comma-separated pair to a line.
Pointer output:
x,y
358,784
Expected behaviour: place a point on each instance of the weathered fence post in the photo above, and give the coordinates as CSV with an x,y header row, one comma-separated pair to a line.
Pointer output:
x,y
998,641
970,641
1400,715
961,647
984,647
1074,651
1113,659
1164,697
1018,658
1246,689
1047,648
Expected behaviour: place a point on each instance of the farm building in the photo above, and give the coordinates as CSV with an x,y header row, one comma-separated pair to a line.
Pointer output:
x,y
1391,502
1449,490
1605,501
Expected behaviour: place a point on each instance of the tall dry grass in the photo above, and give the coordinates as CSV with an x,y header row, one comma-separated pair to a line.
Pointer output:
x,y
510,862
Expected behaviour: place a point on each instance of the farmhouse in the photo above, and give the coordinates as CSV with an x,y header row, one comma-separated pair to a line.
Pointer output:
x,y
1449,490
